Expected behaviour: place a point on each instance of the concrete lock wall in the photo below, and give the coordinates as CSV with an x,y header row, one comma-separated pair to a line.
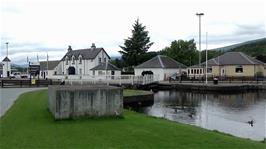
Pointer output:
x,y
85,101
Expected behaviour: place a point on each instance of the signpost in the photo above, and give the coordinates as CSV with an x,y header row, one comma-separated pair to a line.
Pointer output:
x,y
34,70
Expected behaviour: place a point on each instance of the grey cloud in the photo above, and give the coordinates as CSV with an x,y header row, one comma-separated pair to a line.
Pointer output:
x,y
258,30
242,33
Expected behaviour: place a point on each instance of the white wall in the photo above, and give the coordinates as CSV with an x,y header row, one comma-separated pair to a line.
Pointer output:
x,y
6,67
163,73
85,66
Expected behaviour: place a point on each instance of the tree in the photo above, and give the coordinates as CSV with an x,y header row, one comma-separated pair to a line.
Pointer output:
x,y
136,45
261,58
182,51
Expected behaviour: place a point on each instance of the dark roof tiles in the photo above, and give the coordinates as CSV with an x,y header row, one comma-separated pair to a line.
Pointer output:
x,y
51,65
232,58
6,59
161,61
90,53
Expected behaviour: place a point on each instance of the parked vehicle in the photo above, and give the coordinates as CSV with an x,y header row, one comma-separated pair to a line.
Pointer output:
x,y
15,75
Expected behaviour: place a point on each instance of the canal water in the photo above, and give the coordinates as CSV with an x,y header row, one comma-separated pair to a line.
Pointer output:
x,y
239,114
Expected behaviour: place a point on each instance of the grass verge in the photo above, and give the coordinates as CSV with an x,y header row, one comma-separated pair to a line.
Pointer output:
x,y
28,124
132,92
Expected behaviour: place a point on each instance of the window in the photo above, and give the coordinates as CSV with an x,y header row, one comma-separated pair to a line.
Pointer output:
x,y
100,60
209,70
200,71
104,59
188,71
239,69
73,60
93,72
80,60
197,71
100,72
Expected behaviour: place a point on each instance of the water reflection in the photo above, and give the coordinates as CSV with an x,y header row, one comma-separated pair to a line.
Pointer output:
x,y
242,114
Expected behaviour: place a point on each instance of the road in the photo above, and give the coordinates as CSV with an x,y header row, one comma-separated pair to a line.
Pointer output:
x,y
9,95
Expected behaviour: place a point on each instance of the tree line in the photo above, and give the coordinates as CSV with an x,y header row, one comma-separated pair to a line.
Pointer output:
x,y
135,50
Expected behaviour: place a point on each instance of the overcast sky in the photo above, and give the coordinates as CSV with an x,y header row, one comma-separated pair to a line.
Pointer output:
x,y
39,26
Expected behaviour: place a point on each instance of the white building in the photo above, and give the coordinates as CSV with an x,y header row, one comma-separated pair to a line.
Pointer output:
x,y
52,69
162,66
6,64
85,62
105,69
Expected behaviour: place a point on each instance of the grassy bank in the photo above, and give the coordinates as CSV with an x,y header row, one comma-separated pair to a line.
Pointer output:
x,y
132,92
28,124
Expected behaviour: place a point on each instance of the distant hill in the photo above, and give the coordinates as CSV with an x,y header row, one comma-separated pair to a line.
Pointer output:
x,y
252,47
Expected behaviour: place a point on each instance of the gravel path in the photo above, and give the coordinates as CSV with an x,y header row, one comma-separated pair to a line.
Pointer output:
x,y
9,95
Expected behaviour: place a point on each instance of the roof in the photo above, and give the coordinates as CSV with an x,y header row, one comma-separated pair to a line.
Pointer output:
x,y
103,66
6,59
90,53
161,61
232,58
51,65
210,63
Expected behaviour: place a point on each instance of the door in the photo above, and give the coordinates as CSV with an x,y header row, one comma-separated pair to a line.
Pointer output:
x,y
71,70
222,72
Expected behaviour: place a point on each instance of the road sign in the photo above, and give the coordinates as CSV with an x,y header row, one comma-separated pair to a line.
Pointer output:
x,y
34,69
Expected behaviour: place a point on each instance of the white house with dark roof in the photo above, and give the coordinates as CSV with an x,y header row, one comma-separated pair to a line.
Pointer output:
x,y
105,69
6,67
231,64
48,69
162,66
89,61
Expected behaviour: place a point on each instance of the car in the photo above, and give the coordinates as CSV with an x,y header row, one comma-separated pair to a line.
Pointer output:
x,y
15,75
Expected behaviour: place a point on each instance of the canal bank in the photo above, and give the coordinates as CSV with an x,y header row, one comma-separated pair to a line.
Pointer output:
x,y
36,128
222,87
136,98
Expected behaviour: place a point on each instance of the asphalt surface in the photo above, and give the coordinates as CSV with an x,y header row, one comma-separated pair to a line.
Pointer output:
x,y
9,95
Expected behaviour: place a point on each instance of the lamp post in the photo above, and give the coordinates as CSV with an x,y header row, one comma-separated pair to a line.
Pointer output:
x,y
206,71
7,69
199,15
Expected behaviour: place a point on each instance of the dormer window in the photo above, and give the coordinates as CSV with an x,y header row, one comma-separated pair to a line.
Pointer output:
x,y
100,60
80,59
73,60
66,60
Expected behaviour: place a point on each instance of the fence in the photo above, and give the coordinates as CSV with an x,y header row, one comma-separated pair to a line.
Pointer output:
x,y
26,83
225,79
107,79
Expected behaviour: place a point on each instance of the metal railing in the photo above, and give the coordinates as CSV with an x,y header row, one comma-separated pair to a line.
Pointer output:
x,y
107,79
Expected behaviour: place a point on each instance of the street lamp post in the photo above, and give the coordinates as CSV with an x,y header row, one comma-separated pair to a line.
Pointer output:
x,y
206,71
7,69
199,15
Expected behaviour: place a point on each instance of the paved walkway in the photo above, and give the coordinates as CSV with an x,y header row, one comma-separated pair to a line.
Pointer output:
x,y
9,95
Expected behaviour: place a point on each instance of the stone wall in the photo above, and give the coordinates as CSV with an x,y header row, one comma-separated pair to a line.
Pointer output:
x,y
84,101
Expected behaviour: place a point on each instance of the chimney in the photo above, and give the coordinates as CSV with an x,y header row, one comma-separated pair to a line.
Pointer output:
x,y
93,46
69,49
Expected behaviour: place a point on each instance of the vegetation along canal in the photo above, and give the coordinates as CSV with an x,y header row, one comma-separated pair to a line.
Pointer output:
x,y
239,114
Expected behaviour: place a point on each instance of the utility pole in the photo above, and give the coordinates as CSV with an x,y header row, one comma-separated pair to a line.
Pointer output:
x,y
7,69
7,49
206,58
199,15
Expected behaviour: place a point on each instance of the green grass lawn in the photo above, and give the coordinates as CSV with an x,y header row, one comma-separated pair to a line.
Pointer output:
x,y
29,125
132,92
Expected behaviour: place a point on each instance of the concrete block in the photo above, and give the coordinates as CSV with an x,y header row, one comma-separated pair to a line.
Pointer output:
x,y
84,101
